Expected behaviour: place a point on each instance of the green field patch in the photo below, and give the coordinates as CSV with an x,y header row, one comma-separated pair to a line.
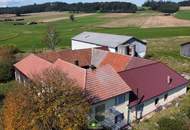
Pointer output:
x,y
8,36
183,14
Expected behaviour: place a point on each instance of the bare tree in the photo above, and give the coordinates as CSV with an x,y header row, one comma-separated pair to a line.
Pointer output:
x,y
51,38
72,17
50,102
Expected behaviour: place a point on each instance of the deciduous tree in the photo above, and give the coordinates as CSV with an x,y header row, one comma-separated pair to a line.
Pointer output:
x,y
50,102
51,38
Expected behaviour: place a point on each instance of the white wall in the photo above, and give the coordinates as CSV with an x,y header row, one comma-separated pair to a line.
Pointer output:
x,y
140,48
122,108
20,77
149,106
81,45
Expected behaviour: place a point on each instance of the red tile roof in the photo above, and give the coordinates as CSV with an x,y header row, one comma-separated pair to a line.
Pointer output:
x,y
32,65
74,72
117,61
151,80
105,83
83,56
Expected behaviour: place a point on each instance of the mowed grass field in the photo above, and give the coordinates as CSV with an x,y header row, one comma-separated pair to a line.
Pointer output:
x,y
183,14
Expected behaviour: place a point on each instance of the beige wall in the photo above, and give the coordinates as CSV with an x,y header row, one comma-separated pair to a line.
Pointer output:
x,y
109,116
149,106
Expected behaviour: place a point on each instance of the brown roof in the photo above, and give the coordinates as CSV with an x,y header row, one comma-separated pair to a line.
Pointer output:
x,y
105,83
73,72
83,56
117,61
32,65
136,62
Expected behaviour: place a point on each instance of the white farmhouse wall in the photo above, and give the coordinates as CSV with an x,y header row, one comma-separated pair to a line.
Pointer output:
x,y
20,77
110,104
112,50
140,48
82,45
149,106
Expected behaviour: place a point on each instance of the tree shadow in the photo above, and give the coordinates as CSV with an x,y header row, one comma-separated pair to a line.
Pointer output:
x,y
2,97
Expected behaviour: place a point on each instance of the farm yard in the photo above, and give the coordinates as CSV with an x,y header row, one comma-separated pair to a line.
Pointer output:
x,y
164,35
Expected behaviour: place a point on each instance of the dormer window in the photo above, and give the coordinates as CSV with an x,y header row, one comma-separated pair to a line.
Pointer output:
x,y
169,80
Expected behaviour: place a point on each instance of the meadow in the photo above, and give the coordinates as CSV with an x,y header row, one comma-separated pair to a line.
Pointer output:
x,y
29,37
183,14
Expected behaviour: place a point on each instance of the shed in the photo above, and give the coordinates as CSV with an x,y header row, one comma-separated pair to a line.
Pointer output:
x,y
122,44
185,49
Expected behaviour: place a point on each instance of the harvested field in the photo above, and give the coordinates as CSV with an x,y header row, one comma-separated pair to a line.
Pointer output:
x,y
146,21
165,21
185,8
43,16
115,15
64,17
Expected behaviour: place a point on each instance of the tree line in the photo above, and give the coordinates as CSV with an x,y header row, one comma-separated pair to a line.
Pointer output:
x,y
162,6
185,3
117,7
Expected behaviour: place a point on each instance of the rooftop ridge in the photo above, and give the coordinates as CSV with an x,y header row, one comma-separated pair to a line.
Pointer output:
x,y
156,62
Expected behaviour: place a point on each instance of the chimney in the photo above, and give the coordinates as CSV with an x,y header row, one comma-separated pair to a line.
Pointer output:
x,y
77,62
169,80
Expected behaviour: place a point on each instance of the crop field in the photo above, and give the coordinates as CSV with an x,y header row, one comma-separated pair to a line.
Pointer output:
x,y
147,19
42,17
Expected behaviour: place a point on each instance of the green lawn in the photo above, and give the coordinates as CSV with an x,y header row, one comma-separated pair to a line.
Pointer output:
x,y
29,37
183,14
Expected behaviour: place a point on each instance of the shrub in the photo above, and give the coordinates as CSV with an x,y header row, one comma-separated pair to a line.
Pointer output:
x,y
7,59
168,7
174,123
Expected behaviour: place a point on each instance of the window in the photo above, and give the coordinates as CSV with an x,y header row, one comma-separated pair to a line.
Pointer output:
x,y
120,99
156,101
119,118
99,112
165,97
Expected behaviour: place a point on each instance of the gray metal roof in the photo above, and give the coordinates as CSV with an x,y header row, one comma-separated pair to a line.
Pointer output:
x,y
102,39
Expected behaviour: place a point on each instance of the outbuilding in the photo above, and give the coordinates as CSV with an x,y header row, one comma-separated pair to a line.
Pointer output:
x,y
122,44
185,49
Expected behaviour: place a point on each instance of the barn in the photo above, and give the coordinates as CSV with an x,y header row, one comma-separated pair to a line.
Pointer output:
x,y
126,45
185,49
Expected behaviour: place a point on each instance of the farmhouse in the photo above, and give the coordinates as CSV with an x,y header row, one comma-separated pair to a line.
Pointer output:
x,y
185,49
126,45
125,88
